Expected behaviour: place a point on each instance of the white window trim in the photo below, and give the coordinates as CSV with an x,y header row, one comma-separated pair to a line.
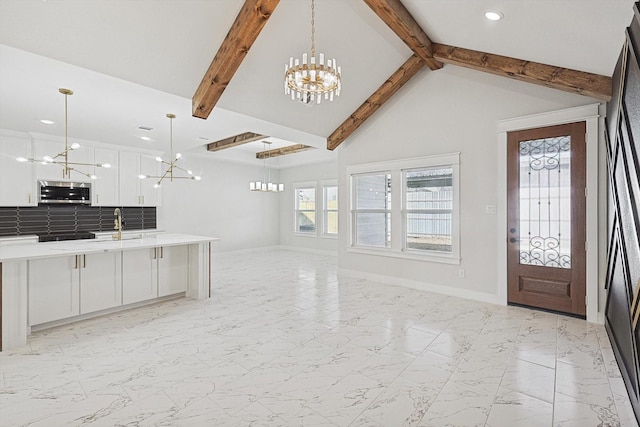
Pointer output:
x,y
396,168
323,184
300,185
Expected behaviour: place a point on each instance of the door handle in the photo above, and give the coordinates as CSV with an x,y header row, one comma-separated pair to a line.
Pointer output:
x,y
84,261
513,240
76,266
161,252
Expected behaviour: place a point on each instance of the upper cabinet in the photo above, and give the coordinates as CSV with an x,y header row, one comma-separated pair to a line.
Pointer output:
x,y
106,186
118,185
133,190
17,181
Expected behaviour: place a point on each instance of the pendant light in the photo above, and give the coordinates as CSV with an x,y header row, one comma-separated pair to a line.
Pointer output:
x,y
62,158
266,185
172,168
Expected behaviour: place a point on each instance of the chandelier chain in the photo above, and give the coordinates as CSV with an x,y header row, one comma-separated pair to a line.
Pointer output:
x,y
313,28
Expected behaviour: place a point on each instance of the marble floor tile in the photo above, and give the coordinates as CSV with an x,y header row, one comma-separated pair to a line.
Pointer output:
x,y
513,409
286,341
530,379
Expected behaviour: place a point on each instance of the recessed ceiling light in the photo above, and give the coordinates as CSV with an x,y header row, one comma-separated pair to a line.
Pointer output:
x,y
145,138
147,128
493,15
46,122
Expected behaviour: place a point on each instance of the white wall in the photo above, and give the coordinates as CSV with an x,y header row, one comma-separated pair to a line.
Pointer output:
x,y
309,173
221,205
440,112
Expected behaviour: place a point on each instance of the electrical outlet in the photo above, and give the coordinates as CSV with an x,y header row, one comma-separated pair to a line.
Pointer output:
x,y
490,209
461,273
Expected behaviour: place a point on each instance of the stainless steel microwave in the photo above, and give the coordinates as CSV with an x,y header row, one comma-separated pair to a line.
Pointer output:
x,y
63,192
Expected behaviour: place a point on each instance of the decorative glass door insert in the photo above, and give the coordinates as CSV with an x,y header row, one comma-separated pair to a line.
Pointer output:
x,y
545,202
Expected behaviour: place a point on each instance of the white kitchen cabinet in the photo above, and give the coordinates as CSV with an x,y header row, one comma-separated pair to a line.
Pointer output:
x,y
173,269
45,147
133,190
68,286
105,189
100,281
17,179
54,288
149,166
139,275
155,272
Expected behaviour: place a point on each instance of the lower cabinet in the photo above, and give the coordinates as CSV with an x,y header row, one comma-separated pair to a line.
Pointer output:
x,y
154,272
69,286
173,272
54,289
139,275
72,285
100,281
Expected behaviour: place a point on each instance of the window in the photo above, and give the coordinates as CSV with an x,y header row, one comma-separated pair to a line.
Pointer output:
x,y
330,209
372,210
305,210
407,208
428,209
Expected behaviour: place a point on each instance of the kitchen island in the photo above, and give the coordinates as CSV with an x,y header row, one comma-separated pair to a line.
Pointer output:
x,y
48,284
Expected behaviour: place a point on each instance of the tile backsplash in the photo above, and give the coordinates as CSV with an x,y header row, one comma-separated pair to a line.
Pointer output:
x,y
48,219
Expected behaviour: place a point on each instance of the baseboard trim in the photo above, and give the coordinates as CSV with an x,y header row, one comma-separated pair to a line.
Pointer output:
x,y
423,286
308,250
246,251
106,312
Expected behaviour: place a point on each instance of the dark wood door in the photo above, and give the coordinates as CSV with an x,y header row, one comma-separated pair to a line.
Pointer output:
x,y
546,218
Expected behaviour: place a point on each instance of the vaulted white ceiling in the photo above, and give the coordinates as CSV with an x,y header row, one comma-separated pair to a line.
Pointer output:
x,y
131,62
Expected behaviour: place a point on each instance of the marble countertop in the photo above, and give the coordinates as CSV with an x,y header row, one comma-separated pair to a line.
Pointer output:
x,y
129,241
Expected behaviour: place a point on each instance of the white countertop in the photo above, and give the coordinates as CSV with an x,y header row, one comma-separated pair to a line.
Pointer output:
x,y
87,246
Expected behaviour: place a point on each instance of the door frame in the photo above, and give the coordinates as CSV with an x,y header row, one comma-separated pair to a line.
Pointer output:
x,y
594,123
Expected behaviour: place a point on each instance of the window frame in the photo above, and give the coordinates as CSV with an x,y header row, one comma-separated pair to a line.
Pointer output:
x,y
325,210
405,213
398,209
296,228
354,211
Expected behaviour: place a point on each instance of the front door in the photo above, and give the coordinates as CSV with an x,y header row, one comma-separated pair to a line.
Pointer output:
x,y
546,218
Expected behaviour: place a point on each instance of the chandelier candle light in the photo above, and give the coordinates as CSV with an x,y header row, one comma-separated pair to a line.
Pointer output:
x,y
310,80
62,158
266,185
169,173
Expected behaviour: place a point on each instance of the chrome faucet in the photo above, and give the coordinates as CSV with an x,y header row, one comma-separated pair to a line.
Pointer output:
x,y
117,224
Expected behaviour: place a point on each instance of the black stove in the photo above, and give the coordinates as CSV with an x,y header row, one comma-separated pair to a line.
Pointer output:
x,y
77,235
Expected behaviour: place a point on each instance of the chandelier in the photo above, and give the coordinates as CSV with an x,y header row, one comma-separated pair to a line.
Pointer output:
x,y
310,80
265,185
62,158
169,173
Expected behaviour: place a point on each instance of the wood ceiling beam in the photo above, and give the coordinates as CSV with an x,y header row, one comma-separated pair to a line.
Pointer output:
x,y
245,30
234,141
401,22
409,69
290,149
580,82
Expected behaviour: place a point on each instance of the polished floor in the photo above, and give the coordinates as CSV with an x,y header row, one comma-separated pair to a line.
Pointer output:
x,y
287,342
